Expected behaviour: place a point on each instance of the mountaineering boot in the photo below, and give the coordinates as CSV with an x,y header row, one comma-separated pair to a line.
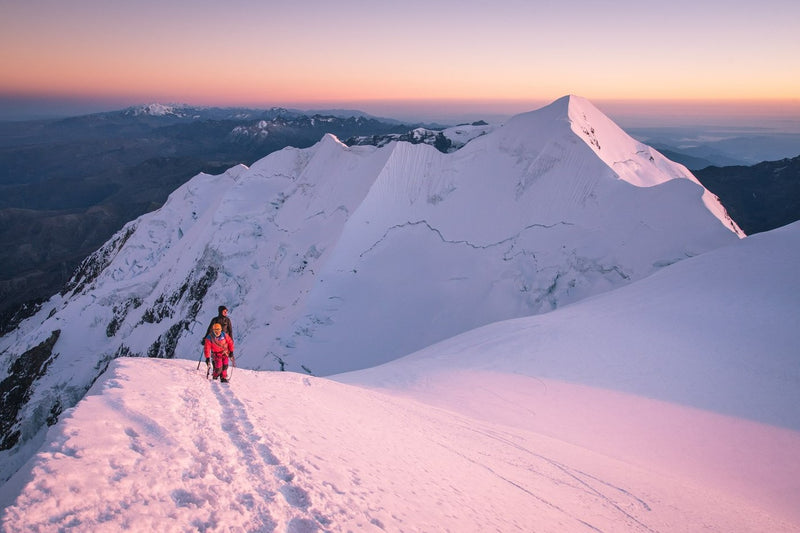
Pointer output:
x,y
223,380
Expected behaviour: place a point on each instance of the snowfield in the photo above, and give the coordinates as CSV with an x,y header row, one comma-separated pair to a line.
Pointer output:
x,y
157,447
669,405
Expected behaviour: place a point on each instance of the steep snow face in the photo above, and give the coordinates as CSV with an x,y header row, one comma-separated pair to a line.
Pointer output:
x,y
336,258
631,160
516,223
715,332
628,159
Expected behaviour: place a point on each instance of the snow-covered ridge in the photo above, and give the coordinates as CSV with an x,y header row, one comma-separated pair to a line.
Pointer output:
x,y
666,404
402,243
155,446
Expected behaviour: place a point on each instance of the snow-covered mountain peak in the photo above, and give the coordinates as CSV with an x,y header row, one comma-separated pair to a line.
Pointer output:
x,y
336,258
573,116
159,110
331,139
564,130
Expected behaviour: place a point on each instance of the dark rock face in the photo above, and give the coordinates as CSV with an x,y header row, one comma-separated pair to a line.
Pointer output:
x,y
16,389
191,293
30,369
759,197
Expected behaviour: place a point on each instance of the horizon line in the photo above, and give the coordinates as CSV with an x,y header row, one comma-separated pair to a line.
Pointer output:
x,y
22,107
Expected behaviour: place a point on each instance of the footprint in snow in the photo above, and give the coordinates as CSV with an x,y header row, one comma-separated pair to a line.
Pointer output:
x,y
295,496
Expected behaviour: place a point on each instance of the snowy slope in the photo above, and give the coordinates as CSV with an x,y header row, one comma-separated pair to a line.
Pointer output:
x,y
559,422
694,371
337,258
716,332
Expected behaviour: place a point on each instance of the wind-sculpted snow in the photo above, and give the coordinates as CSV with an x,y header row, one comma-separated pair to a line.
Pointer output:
x,y
335,258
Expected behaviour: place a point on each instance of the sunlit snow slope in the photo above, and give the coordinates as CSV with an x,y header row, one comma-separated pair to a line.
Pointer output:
x,y
157,447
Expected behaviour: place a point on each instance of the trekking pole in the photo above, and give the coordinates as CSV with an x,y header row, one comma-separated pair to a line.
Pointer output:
x,y
208,367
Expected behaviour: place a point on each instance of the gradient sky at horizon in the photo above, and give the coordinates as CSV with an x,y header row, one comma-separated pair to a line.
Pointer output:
x,y
426,57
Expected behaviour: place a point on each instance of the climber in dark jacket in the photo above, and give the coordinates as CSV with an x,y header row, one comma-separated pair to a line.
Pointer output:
x,y
223,320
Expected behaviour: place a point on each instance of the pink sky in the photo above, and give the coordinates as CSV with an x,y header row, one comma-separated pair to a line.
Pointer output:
x,y
446,56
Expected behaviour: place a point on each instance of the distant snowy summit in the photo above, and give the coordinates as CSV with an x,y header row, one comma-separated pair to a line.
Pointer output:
x,y
277,121
247,113
336,258
187,111
250,124
158,110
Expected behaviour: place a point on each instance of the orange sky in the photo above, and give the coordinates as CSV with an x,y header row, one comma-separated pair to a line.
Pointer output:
x,y
506,55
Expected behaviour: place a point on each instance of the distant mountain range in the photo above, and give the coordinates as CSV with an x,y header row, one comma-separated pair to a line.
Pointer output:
x,y
67,185
758,197
699,147
755,172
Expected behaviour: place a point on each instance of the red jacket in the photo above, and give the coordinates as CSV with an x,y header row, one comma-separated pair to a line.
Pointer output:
x,y
218,346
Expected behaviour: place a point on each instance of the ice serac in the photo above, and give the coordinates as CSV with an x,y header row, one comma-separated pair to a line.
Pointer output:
x,y
336,258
